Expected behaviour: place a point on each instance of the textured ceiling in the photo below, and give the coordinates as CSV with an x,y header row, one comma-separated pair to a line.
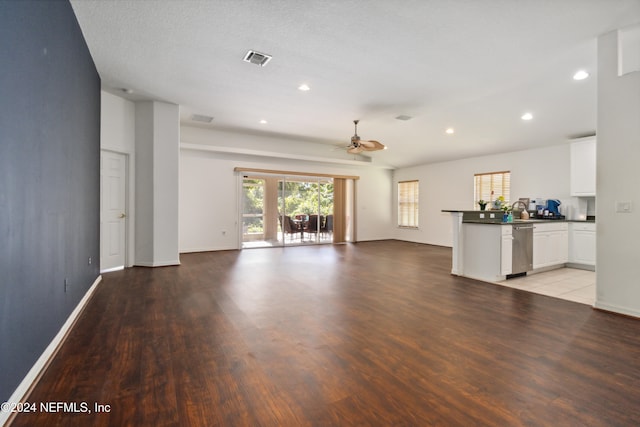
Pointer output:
x,y
474,65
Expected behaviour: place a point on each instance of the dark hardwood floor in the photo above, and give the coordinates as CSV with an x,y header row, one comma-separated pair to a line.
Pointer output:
x,y
367,334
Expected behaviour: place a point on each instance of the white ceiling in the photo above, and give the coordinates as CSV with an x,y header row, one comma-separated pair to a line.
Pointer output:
x,y
474,65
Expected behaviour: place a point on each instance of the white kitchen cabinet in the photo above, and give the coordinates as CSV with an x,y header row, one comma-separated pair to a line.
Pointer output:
x,y
550,244
506,250
582,243
559,247
540,248
583,167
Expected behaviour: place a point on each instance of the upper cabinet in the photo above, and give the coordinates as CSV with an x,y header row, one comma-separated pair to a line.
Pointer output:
x,y
583,167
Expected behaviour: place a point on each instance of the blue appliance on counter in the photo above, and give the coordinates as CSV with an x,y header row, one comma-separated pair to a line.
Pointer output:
x,y
553,205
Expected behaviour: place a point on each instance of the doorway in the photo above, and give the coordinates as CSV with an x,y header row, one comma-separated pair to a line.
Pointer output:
x,y
281,210
113,210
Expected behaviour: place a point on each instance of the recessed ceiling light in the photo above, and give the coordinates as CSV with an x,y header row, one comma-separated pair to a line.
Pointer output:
x,y
127,90
450,131
304,87
263,121
580,75
404,117
527,116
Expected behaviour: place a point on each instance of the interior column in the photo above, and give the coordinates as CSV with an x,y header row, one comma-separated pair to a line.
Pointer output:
x,y
157,155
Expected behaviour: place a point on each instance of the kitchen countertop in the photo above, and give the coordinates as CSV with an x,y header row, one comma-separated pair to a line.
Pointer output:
x,y
497,220
524,221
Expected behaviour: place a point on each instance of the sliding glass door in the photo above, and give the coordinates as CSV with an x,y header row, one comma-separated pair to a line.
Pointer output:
x,y
286,210
253,212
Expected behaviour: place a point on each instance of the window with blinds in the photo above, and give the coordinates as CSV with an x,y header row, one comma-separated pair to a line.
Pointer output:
x,y
490,186
408,192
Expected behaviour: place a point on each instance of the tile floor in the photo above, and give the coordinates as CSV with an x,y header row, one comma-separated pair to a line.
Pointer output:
x,y
566,283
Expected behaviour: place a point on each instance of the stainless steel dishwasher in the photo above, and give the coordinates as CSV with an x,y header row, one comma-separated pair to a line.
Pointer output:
x,y
522,252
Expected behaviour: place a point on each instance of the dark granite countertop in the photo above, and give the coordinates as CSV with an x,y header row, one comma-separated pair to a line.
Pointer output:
x,y
471,217
524,221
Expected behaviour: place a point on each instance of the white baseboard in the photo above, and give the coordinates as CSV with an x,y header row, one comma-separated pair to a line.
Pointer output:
x,y
207,249
157,264
581,266
109,270
25,387
616,309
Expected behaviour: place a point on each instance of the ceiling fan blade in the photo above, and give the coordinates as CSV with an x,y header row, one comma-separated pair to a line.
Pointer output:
x,y
372,145
356,150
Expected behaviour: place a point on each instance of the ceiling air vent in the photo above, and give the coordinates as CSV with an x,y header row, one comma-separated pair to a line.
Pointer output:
x,y
201,118
257,58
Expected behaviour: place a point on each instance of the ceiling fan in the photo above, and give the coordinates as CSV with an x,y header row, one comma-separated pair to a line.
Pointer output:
x,y
358,145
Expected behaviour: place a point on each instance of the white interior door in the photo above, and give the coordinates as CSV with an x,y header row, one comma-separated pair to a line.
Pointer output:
x,y
113,214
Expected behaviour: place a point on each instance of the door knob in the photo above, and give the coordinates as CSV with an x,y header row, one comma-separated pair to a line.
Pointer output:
x,y
122,215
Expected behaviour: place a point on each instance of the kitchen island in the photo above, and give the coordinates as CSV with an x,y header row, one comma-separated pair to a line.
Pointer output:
x,y
483,245
487,252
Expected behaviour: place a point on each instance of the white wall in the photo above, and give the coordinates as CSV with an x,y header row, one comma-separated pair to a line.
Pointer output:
x,y
618,179
117,124
374,211
208,202
117,133
540,172
209,187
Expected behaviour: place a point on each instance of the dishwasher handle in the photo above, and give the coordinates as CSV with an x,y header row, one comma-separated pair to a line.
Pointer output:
x,y
523,227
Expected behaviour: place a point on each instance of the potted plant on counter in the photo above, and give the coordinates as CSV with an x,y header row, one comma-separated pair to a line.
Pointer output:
x,y
507,215
482,204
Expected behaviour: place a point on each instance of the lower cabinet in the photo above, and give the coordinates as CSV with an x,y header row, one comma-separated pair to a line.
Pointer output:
x,y
582,243
550,244
506,250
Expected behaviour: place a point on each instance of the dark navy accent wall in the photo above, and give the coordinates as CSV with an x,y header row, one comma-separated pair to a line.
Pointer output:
x,y
49,178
